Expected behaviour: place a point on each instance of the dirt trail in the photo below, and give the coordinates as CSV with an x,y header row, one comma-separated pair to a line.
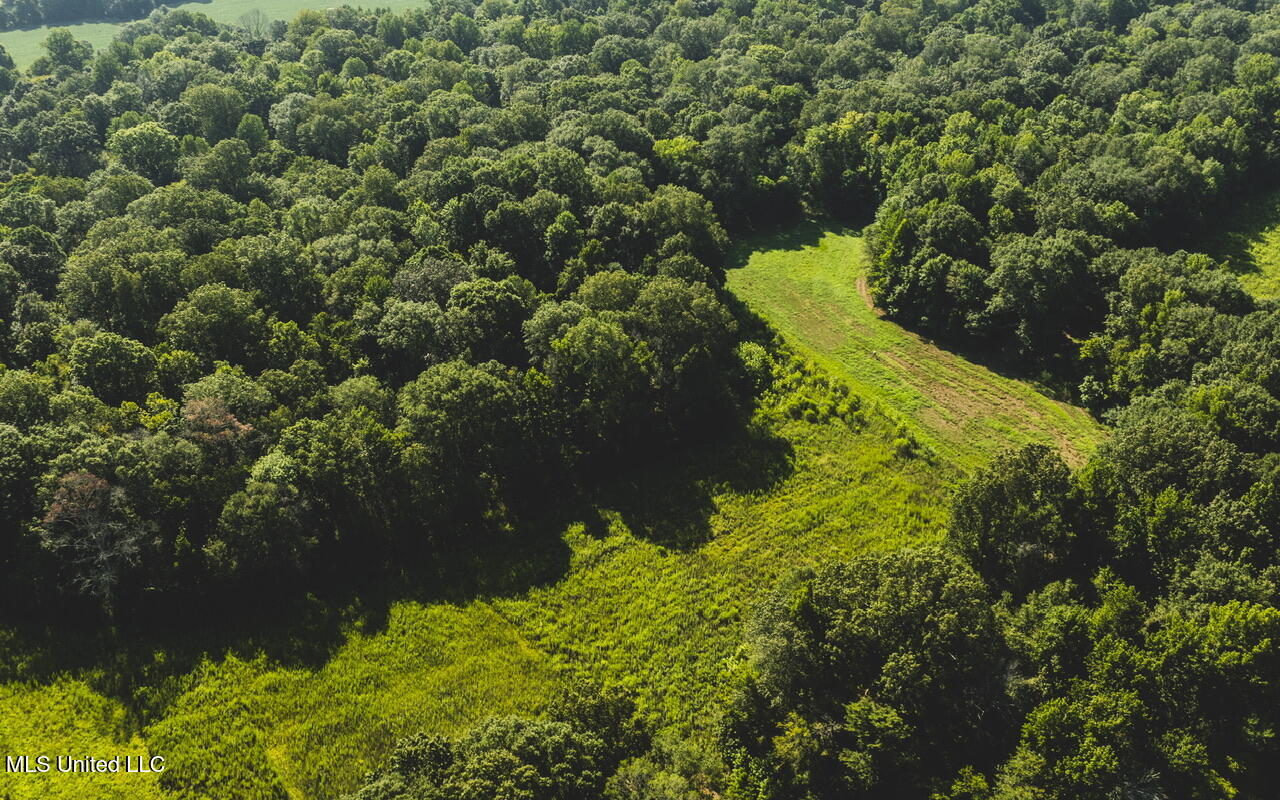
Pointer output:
x,y
865,291
962,407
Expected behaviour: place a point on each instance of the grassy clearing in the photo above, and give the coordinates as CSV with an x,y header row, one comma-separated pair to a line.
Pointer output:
x,y
1251,245
650,587
809,285
659,574
24,45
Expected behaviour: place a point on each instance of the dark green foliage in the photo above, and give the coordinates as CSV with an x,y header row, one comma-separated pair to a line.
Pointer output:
x,y
147,149
114,367
327,299
1135,699
591,730
1133,650
217,322
1012,523
880,675
1157,675
510,757
223,227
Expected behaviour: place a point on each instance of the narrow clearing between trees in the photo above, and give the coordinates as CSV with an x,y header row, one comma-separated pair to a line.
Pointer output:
x,y
816,295
649,586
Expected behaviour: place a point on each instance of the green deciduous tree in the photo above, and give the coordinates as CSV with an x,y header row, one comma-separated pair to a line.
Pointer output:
x,y
876,675
116,368
147,149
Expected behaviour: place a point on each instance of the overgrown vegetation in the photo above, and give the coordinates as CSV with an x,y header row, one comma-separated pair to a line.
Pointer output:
x,y
394,299
648,591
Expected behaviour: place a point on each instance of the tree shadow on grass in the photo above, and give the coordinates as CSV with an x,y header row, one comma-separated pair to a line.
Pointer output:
x,y
793,237
671,502
799,236
146,663
1232,237
666,496
142,660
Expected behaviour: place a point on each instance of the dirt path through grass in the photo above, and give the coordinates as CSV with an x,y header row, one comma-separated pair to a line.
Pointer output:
x,y
656,581
813,290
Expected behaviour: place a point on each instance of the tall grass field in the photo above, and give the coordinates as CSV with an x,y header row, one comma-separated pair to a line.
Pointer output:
x,y
648,588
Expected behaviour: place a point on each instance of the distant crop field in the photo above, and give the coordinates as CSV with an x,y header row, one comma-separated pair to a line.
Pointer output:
x,y
810,285
24,45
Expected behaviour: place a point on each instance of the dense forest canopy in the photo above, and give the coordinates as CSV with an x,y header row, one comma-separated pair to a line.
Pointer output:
x,y
284,305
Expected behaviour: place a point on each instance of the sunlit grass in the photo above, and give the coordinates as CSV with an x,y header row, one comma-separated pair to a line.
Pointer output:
x,y
662,569
24,45
1249,243
807,285
69,718
660,577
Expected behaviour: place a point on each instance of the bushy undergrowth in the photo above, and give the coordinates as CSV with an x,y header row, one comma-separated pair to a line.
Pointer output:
x,y
657,577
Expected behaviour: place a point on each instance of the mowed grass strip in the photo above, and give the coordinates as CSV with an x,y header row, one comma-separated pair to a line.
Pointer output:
x,y
811,289
661,575
662,572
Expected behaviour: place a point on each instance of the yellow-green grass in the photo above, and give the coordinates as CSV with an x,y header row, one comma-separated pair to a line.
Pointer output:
x,y
1251,245
69,718
24,45
810,285
661,573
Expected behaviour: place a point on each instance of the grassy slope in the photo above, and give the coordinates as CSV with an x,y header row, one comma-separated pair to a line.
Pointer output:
x,y
653,596
809,286
658,577
24,45
1251,244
